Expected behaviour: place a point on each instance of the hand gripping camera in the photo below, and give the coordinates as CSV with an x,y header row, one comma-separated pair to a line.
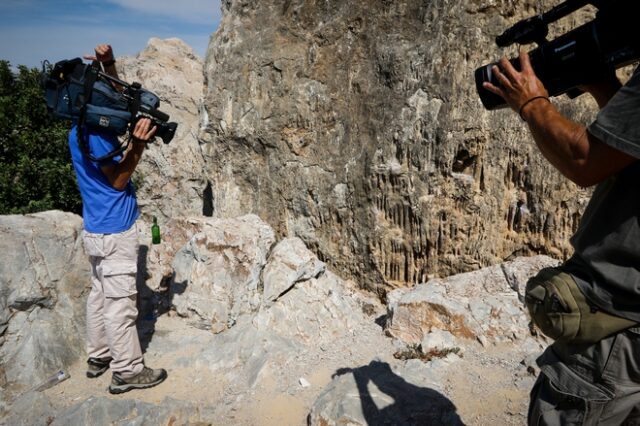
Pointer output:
x,y
83,93
587,54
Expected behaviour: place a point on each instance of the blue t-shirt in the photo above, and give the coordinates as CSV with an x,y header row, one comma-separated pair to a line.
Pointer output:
x,y
105,210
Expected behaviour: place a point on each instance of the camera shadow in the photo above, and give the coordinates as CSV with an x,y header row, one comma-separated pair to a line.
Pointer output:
x,y
412,405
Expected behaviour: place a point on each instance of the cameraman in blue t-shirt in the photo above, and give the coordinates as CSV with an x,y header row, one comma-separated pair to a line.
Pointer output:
x,y
110,240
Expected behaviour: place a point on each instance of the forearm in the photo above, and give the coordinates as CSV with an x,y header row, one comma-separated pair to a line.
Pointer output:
x,y
120,174
567,145
110,69
570,148
562,142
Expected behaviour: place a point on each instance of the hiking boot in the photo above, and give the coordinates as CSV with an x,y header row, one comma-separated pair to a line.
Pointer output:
x,y
147,378
97,366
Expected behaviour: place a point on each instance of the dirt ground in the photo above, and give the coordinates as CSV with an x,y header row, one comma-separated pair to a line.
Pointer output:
x,y
487,385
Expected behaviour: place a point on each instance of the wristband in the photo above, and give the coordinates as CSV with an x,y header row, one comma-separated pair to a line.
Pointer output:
x,y
527,102
108,63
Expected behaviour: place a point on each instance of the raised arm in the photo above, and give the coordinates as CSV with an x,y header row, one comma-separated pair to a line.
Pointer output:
x,y
567,145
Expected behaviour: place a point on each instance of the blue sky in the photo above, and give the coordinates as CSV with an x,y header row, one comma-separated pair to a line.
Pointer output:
x,y
34,30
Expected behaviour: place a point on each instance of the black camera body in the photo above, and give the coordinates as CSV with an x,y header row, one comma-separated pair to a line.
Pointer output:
x,y
147,104
587,54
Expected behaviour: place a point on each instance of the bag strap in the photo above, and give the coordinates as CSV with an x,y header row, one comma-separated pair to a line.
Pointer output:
x,y
90,77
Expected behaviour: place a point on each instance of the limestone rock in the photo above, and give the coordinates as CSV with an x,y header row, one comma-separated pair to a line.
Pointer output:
x,y
290,263
218,272
315,311
320,325
44,279
356,127
104,411
375,394
30,409
170,178
439,340
486,305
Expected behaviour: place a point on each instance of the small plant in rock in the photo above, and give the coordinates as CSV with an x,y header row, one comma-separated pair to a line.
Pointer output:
x,y
415,351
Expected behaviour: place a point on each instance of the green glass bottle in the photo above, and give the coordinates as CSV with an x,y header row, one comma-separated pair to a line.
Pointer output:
x,y
155,232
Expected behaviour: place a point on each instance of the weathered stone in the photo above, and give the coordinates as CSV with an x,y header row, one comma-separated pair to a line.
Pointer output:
x,y
44,278
482,305
439,340
318,321
217,273
374,394
356,127
245,355
30,409
290,263
315,311
105,411
170,178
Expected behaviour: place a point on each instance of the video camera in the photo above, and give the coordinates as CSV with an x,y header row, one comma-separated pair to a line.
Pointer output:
x,y
84,93
586,54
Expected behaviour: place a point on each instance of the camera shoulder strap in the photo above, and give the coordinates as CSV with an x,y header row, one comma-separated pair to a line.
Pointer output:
x,y
90,77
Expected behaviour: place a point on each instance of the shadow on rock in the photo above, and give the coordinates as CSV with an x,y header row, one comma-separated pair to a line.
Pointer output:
x,y
152,304
412,405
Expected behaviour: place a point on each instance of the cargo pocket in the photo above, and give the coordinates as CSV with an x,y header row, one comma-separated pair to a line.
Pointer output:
x,y
560,310
622,366
566,400
551,305
93,244
119,278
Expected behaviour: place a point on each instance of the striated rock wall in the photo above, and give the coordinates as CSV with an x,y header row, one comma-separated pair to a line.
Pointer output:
x,y
356,127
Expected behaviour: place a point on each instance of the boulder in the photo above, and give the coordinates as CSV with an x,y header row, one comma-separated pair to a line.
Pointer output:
x,y
217,273
486,305
44,280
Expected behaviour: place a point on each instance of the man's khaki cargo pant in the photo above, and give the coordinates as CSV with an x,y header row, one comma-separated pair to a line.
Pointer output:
x,y
111,305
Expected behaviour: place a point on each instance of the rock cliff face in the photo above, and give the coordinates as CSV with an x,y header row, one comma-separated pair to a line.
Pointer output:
x,y
356,127
170,178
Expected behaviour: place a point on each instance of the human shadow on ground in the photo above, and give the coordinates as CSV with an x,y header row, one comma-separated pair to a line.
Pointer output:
x,y
412,405
151,304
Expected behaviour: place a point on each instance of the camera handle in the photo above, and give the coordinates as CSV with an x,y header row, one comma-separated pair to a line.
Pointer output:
x,y
536,28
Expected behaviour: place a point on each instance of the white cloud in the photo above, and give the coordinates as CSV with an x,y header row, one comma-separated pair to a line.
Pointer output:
x,y
193,11
24,46
33,30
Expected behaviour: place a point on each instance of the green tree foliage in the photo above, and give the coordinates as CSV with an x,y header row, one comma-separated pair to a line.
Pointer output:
x,y
36,172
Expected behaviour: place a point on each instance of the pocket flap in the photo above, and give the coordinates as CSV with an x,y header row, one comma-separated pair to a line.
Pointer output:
x,y
93,244
118,267
569,383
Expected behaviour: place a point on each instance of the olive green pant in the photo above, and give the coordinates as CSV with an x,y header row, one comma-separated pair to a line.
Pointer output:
x,y
589,384
591,374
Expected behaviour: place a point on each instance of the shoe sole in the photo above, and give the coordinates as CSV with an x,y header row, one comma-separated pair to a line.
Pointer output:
x,y
98,367
131,386
93,375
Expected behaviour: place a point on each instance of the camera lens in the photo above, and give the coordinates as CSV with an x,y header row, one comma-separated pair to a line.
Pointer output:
x,y
490,100
166,131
